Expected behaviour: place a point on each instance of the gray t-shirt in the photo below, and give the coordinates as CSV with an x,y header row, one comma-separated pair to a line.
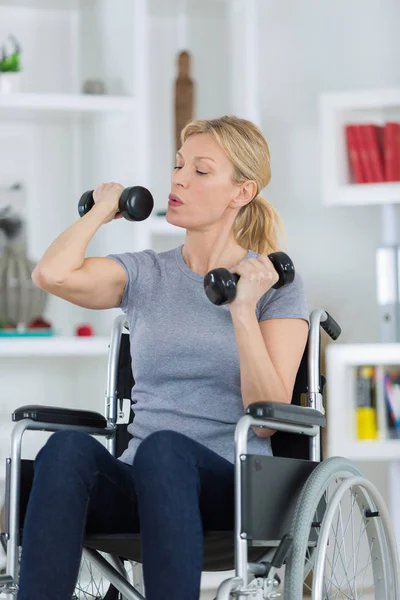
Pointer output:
x,y
185,360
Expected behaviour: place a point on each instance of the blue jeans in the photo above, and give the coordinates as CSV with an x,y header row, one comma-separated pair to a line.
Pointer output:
x,y
174,489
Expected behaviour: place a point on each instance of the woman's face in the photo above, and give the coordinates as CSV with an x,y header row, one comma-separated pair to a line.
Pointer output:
x,y
202,180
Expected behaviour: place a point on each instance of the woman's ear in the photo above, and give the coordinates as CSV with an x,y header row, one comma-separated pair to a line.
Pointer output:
x,y
246,192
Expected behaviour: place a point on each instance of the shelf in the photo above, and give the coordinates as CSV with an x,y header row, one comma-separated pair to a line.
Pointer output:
x,y
385,450
362,99
31,104
43,4
362,354
336,111
57,346
341,360
367,194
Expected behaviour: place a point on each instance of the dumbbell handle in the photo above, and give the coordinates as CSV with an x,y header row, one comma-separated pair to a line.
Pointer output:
x,y
220,284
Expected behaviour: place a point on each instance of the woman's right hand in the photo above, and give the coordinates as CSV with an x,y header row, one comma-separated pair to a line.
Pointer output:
x,y
107,195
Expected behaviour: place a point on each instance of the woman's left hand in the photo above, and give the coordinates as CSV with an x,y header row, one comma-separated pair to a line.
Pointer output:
x,y
257,276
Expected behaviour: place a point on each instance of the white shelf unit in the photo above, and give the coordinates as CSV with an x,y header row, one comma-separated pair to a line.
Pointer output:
x,y
336,110
57,346
31,105
341,361
58,142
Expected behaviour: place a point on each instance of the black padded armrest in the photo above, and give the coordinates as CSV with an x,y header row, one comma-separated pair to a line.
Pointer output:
x,y
65,416
286,413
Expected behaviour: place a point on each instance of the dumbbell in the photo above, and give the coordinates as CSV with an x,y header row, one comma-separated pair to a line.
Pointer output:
x,y
220,284
135,203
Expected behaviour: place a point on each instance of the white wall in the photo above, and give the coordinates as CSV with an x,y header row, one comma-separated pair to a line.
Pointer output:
x,y
307,48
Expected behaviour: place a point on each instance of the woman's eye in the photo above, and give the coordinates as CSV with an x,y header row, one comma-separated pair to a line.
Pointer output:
x,y
201,173
176,167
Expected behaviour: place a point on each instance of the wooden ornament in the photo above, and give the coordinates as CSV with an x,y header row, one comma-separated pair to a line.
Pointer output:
x,y
184,96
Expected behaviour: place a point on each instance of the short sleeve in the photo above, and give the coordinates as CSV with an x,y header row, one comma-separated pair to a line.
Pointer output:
x,y
287,302
131,262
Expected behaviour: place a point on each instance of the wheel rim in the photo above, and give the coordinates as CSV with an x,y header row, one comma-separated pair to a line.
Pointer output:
x,y
355,554
306,529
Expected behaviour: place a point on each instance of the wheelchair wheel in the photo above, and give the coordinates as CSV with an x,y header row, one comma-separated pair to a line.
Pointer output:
x,y
93,585
342,538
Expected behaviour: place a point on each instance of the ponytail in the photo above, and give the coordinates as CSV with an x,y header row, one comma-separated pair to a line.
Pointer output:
x,y
257,227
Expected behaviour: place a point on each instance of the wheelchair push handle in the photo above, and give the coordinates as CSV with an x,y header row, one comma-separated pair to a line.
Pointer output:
x,y
220,284
331,327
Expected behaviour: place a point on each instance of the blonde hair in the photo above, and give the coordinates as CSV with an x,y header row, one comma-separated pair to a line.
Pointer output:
x,y
257,224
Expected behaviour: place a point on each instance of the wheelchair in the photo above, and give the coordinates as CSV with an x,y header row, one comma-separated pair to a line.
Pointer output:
x,y
302,525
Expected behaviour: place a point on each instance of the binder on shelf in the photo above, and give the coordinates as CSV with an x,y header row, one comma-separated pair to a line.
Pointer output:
x,y
371,141
354,154
378,402
373,152
392,400
367,427
391,136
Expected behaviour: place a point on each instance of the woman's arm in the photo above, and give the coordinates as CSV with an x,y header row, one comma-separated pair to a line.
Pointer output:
x,y
270,353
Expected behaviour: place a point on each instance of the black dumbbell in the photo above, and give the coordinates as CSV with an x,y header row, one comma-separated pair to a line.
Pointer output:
x,y
135,203
220,284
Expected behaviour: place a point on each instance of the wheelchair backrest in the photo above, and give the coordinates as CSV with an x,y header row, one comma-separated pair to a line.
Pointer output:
x,y
289,445
293,445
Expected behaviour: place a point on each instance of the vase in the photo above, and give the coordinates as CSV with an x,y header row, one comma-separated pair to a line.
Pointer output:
x,y
10,82
20,300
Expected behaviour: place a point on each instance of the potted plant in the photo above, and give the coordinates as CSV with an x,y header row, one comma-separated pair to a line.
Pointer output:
x,y
10,67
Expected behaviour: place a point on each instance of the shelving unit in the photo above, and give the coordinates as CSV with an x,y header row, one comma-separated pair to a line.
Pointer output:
x,y
57,346
58,142
341,361
337,110
30,105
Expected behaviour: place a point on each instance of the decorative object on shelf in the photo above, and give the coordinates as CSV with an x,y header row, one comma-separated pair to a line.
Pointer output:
x,y
21,302
10,67
184,96
84,330
94,86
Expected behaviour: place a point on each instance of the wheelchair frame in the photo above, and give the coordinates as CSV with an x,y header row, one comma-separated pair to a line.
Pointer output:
x,y
287,421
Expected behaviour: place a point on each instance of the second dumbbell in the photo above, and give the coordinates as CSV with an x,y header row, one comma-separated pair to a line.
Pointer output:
x,y
220,284
135,204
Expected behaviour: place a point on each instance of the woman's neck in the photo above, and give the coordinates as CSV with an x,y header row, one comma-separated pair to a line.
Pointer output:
x,y
201,258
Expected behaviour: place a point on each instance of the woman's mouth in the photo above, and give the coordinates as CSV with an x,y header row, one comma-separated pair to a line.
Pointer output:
x,y
174,200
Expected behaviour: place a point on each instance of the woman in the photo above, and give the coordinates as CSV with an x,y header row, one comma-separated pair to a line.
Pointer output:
x,y
196,367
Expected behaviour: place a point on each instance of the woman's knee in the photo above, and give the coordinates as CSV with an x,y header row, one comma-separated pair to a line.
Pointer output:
x,y
68,448
162,448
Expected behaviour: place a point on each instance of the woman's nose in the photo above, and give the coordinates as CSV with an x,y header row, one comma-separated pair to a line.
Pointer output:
x,y
180,177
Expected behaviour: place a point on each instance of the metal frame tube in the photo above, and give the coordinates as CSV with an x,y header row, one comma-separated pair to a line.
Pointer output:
x,y
241,435
112,377
113,575
15,476
314,392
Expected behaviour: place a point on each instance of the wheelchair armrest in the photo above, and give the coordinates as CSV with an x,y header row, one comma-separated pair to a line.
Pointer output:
x,y
66,416
286,413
